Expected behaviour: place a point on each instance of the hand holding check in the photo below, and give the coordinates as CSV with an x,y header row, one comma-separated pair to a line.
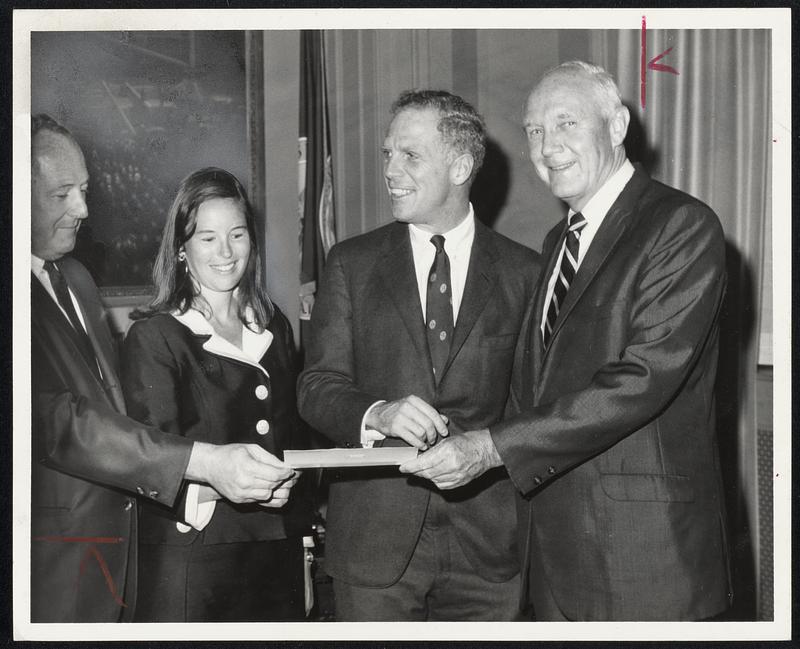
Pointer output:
x,y
411,419
457,460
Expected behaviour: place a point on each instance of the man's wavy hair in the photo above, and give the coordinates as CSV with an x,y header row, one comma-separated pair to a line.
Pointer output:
x,y
175,287
463,129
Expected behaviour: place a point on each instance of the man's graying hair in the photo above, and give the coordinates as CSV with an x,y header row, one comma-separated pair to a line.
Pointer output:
x,y
462,128
607,90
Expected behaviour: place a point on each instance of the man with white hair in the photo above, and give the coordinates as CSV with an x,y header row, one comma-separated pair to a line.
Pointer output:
x,y
612,448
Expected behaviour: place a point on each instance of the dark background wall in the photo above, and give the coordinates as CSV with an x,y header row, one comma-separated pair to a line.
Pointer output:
x,y
148,108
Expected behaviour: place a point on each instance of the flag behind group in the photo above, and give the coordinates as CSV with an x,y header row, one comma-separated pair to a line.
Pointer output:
x,y
315,177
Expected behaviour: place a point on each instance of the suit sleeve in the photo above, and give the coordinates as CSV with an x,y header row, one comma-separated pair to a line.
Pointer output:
x,y
88,439
151,382
672,317
328,396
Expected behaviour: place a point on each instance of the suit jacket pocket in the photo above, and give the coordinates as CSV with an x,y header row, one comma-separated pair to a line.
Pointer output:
x,y
503,341
647,487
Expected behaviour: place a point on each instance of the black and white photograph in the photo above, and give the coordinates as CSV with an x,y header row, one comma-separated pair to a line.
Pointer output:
x,y
403,318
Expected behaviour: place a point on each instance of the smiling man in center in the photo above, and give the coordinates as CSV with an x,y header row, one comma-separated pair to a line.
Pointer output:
x,y
412,339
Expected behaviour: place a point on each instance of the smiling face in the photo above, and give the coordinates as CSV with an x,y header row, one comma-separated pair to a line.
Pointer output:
x,y
58,194
573,144
218,251
424,186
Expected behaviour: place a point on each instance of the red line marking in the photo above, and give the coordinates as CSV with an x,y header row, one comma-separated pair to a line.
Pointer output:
x,y
106,574
91,551
653,64
643,71
659,67
80,539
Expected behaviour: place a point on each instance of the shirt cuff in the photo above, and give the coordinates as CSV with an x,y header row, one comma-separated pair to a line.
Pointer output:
x,y
369,435
196,514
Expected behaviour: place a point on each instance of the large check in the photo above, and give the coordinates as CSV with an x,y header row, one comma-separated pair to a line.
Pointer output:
x,y
342,457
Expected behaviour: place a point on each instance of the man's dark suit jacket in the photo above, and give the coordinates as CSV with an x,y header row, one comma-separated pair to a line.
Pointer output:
x,y
86,456
368,343
614,445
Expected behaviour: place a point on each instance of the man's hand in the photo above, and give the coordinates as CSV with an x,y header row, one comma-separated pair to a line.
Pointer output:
x,y
207,493
242,473
457,460
410,419
280,496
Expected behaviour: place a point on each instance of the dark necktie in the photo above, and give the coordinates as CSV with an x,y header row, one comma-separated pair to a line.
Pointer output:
x,y
566,273
60,288
439,308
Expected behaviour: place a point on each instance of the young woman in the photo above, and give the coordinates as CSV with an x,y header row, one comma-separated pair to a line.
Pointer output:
x,y
213,359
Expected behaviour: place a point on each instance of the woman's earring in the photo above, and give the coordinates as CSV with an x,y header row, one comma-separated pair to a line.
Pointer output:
x,y
181,256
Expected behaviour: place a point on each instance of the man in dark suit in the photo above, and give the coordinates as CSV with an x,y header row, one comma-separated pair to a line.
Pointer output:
x,y
412,339
613,445
88,458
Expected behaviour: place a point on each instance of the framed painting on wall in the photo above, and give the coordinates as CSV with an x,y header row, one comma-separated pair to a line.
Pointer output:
x,y
147,108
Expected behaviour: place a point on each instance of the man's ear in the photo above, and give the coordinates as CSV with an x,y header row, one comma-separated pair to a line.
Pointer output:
x,y
618,125
461,168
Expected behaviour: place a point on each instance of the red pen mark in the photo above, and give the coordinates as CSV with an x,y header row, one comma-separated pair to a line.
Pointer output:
x,y
91,552
80,539
652,64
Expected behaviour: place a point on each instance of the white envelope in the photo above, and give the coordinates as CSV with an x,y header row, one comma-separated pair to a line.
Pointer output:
x,y
342,457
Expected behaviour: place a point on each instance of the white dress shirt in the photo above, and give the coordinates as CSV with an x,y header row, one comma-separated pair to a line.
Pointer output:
x,y
37,268
594,212
458,246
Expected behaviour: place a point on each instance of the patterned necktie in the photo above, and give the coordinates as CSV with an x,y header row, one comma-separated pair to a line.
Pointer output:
x,y
60,288
566,273
439,308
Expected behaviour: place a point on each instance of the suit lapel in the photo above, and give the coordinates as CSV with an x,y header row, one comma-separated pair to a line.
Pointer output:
x,y
481,277
99,337
535,342
397,272
44,308
616,222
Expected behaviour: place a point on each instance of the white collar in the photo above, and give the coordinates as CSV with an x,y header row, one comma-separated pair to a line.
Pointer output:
x,y
254,345
37,264
454,239
599,204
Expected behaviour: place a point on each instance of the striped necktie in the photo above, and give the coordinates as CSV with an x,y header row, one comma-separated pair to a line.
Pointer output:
x,y
566,273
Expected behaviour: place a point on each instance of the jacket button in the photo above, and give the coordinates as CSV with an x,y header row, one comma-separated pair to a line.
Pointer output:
x,y
262,392
140,491
262,427
153,494
537,480
128,505
551,470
